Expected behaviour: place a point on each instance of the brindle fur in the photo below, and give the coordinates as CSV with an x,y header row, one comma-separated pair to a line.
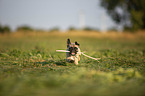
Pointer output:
x,y
74,54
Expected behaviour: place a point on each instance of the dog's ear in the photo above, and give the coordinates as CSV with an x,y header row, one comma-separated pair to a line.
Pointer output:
x,y
76,43
68,42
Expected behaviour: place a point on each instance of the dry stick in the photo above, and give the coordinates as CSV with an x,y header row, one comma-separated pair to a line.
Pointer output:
x,y
90,56
62,51
81,53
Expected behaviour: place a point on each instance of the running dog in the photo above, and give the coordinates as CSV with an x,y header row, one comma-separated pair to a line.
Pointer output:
x,y
74,52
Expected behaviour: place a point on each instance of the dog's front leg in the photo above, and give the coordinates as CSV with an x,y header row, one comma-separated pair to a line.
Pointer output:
x,y
76,60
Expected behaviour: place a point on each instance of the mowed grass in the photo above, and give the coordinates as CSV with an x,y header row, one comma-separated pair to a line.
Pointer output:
x,y
29,65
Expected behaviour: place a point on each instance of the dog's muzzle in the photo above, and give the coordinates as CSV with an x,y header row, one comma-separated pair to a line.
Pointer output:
x,y
73,53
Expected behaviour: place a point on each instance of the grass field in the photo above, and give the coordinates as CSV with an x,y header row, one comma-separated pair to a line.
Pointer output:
x,y
29,65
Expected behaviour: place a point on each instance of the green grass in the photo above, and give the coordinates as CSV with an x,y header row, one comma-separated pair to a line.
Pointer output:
x,y
29,66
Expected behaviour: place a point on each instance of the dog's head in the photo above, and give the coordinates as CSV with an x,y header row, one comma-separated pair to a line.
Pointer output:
x,y
72,47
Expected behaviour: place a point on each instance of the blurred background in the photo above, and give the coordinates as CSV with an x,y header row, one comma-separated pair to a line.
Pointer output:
x,y
32,30
63,15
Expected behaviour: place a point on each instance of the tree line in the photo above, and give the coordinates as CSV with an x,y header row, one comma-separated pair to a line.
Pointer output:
x,y
25,28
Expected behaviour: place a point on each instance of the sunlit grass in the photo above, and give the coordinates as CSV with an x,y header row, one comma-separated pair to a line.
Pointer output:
x,y
29,64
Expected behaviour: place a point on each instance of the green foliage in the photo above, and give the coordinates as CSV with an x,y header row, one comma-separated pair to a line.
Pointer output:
x,y
72,28
30,66
90,29
113,29
4,29
24,28
125,11
55,29
137,19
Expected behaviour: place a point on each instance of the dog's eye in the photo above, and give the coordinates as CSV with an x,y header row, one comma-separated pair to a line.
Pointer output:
x,y
76,48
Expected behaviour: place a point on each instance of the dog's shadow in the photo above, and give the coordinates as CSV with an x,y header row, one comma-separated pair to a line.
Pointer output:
x,y
52,62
